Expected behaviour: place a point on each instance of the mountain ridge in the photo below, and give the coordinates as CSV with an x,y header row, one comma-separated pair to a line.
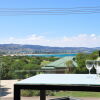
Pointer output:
x,y
20,48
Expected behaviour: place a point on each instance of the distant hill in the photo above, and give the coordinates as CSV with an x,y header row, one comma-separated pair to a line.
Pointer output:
x,y
18,48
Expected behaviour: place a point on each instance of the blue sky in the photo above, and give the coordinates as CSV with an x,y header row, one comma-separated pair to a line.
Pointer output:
x,y
52,30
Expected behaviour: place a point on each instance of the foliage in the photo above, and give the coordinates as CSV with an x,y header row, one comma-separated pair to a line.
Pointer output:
x,y
77,94
36,93
20,67
70,66
81,58
44,63
30,93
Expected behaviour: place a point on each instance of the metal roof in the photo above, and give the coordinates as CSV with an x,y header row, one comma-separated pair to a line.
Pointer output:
x,y
60,63
48,68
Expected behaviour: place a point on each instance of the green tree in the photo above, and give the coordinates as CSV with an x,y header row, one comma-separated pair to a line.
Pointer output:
x,y
70,66
44,63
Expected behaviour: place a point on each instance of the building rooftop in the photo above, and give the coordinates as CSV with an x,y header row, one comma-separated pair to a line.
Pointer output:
x,y
60,63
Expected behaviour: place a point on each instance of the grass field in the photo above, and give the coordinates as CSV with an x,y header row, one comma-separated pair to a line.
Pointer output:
x,y
77,94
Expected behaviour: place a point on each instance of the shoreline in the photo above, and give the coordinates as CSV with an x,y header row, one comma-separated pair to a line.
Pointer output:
x,y
38,54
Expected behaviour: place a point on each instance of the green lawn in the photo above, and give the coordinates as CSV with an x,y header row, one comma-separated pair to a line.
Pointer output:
x,y
77,94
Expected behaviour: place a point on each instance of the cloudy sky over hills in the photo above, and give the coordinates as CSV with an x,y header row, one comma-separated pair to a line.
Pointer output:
x,y
76,30
81,40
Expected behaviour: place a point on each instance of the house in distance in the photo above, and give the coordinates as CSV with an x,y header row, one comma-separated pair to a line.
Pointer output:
x,y
62,65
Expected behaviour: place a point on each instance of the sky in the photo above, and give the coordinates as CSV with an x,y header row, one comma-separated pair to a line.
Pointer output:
x,y
72,30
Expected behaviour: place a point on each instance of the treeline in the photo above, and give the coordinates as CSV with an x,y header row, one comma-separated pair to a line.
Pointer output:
x,y
20,67
81,58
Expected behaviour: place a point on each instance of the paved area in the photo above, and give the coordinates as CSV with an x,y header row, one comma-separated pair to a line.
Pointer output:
x,y
49,97
6,89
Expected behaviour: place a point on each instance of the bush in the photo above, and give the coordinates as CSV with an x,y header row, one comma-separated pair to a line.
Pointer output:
x,y
29,93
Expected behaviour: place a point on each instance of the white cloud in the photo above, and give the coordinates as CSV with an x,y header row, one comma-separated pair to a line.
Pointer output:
x,y
81,40
93,35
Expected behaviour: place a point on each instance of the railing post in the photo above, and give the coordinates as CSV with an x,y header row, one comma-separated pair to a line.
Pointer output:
x,y
42,95
16,93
